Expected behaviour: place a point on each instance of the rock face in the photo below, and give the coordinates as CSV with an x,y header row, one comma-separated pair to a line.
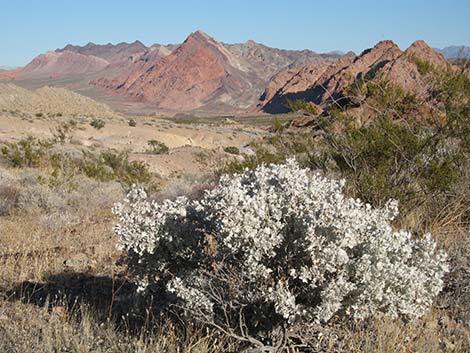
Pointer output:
x,y
54,64
326,82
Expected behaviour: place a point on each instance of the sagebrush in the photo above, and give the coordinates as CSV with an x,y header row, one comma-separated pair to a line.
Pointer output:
x,y
277,246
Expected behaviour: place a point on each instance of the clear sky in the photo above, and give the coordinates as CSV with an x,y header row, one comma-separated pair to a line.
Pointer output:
x,y
30,27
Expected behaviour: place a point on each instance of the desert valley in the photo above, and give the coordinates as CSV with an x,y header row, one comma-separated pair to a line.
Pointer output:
x,y
212,197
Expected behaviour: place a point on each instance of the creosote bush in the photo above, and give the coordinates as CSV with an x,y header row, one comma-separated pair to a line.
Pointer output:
x,y
28,152
232,150
275,247
157,147
64,131
103,166
98,124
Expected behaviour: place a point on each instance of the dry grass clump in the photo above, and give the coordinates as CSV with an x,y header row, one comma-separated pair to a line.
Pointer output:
x,y
26,328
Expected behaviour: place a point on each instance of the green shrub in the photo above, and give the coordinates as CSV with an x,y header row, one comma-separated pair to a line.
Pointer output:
x,y
64,131
232,150
39,115
104,166
424,66
302,104
404,161
132,123
383,97
278,125
29,152
157,147
98,124
112,165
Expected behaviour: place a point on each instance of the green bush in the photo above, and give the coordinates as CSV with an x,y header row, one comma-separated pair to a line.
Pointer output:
x,y
302,104
112,165
388,159
424,67
157,147
98,124
132,123
104,166
29,152
383,97
232,150
64,131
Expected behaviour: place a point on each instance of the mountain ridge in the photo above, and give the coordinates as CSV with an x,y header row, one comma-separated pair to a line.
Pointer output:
x,y
204,74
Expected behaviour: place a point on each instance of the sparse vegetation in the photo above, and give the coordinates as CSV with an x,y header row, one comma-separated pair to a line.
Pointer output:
x,y
104,166
64,131
98,124
157,147
112,165
132,123
29,152
232,150
424,66
383,97
302,105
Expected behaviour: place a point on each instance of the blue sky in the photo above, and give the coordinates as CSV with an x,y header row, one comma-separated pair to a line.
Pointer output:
x,y
30,27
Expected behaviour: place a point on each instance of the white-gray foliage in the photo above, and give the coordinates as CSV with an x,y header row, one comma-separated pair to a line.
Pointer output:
x,y
279,244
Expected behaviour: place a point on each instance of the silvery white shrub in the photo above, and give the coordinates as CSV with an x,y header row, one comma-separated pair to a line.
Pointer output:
x,y
279,244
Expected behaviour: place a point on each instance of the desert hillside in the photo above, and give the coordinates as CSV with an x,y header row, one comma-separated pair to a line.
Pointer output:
x,y
49,101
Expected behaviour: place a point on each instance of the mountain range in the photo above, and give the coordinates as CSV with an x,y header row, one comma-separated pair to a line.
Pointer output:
x,y
455,52
203,74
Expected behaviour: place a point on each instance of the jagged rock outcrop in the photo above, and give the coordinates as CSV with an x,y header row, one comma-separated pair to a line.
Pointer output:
x,y
327,82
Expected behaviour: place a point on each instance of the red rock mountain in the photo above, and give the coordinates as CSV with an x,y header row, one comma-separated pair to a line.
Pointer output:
x,y
203,73
326,82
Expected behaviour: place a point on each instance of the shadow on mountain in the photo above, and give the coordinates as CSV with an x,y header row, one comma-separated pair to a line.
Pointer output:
x,y
279,103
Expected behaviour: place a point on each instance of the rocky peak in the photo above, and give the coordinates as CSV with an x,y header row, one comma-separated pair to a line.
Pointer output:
x,y
199,36
423,51
385,50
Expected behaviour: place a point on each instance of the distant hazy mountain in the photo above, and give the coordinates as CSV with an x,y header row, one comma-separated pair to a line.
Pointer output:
x,y
6,68
455,51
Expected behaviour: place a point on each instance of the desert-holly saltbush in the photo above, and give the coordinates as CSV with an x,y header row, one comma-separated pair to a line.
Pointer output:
x,y
279,243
